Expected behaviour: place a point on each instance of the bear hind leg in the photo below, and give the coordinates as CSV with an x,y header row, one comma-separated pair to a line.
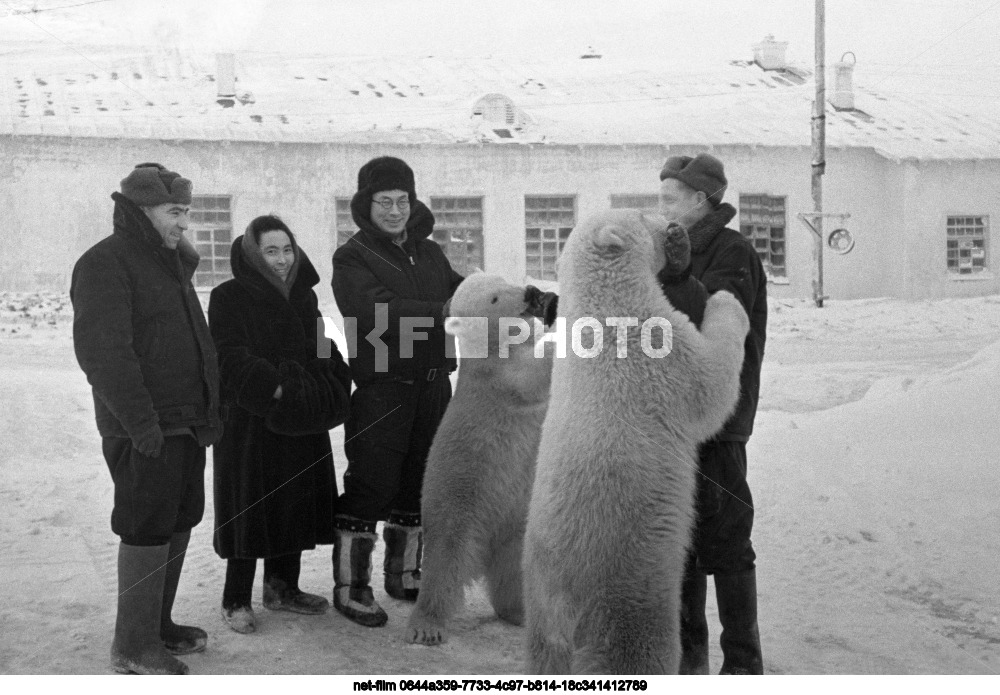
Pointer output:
x,y
504,581
548,654
638,639
446,570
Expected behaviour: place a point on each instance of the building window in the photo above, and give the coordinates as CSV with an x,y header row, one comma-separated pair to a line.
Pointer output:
x,y
762,222
345,221
647,202
967,244
548,222
458,228
212,227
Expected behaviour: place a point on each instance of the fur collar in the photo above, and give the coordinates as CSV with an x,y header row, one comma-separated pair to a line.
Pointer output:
x,y
132,223
705,230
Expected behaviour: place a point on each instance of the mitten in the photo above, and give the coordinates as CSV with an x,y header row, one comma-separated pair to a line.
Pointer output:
x,y
149,443
542,305
550,307
677,248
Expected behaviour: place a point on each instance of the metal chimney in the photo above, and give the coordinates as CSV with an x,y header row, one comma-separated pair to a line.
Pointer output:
x,y
770,54
225,74
842,97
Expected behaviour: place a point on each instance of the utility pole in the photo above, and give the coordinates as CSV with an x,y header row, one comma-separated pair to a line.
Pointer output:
x,y
819,151
840,240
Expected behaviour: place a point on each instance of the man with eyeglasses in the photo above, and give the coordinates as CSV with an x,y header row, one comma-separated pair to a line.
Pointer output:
x,y
394,281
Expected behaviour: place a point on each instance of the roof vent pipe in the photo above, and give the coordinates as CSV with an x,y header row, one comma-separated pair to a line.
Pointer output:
x,y
770,54
225,74
842,97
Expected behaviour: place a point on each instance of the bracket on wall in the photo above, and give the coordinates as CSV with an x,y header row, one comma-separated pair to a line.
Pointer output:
x,y
840,239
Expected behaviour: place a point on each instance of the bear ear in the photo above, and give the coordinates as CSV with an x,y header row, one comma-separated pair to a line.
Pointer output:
x,y
455,325
609,239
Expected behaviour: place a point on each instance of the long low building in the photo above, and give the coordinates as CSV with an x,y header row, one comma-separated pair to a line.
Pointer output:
x,y
508,154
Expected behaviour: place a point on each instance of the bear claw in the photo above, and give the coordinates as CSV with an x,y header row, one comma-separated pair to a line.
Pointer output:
x,y
431,635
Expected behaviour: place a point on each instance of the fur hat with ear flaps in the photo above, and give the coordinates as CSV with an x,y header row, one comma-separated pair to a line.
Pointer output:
x,y
382,174
703,173
386,174
152,184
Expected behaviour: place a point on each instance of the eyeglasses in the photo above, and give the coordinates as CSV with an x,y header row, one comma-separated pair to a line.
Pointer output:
x,y
387,203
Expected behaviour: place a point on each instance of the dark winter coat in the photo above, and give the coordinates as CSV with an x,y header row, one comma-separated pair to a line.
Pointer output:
x,y
140,334
413,281
722,259
275,491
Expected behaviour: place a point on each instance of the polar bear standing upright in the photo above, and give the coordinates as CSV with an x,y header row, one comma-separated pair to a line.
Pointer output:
x,y
482,463
612,503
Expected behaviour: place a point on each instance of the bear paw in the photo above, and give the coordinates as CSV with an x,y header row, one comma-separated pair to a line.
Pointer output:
x,y
425,631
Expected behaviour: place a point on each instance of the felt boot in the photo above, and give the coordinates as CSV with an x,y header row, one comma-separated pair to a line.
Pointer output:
x,y
281,587
404,543
736,594
278,596
137,646
178,639
352,573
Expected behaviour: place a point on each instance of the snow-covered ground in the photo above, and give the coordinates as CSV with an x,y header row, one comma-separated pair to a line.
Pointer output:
x,y
874,468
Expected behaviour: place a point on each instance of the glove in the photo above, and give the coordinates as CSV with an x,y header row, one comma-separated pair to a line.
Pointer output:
x,y
150,442
677,249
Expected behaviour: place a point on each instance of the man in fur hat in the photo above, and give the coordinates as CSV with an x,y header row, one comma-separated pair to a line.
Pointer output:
x,y
691,192
141,338
394,281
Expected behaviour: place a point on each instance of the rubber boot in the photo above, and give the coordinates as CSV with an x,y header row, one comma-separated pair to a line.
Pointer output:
x,y
352,573
137,647
404,545
736,594
178,639
694,625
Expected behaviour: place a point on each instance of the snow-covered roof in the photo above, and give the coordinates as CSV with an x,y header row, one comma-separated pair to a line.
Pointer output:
x,y
167,94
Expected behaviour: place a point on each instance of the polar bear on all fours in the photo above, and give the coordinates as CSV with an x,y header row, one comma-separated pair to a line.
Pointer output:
x,y
612,503
482,462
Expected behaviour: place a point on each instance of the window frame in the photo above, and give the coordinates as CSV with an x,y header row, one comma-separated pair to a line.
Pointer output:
x,y
967,222
443,227
617,201
205,235
342,211
550,233
759,212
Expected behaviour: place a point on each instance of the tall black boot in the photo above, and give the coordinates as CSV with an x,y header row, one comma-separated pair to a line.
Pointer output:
x,y
736,594
178,639
137,646
694,625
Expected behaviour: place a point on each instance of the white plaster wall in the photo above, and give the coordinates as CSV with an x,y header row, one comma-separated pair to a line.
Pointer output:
x,y
56,196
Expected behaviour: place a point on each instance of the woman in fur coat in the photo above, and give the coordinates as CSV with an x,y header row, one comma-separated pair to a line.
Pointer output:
x,y
274,483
